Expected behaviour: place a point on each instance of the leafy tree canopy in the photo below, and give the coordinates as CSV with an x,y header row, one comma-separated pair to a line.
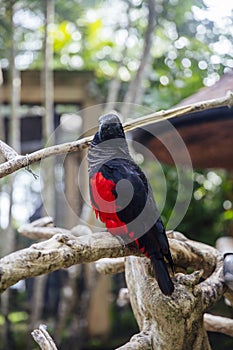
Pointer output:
x,y
191,46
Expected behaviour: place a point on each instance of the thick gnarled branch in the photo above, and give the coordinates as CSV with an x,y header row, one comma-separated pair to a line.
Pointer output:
x,y
64,249
189,300
60,251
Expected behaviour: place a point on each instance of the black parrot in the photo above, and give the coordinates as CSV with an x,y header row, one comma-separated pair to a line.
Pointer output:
x,y
122,198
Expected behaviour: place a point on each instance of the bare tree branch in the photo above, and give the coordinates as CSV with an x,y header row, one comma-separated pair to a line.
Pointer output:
x,y
64,250
218,324
197,255
60,251
23,161
110,266
8,152
189,301
140,341
20,162
43,339
179,111
41,229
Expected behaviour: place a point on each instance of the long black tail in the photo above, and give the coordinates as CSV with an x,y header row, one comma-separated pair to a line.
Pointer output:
x,y
162,275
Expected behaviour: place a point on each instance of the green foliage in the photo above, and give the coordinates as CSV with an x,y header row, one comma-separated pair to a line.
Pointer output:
x,y
18,316
91,36
210,211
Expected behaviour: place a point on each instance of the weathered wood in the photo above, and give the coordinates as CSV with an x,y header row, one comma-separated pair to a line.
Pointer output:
x,y
43,339
218,324
166,323
60,251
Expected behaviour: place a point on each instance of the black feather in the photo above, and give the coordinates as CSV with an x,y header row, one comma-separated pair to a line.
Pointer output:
x,y
134,199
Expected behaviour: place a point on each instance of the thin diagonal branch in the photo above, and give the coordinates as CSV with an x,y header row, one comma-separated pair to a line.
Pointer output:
x,y
23,161
8,152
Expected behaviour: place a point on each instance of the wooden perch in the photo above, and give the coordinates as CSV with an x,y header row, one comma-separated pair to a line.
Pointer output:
x,y
158,316
60,251
63,250
18,162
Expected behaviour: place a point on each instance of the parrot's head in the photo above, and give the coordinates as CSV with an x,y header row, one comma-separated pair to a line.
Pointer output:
x,y
110,127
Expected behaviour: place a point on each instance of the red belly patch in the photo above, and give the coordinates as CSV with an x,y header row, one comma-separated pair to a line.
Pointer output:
x,y
104,204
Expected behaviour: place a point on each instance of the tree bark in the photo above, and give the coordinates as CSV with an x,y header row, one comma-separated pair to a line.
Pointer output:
x,y
166,323
172,323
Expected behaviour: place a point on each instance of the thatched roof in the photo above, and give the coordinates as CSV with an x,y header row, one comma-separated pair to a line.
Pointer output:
x,y
208,135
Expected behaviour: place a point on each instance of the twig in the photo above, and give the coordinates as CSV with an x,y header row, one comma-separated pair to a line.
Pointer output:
x,y
43,339
180,111
23,161
9,153
42,222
